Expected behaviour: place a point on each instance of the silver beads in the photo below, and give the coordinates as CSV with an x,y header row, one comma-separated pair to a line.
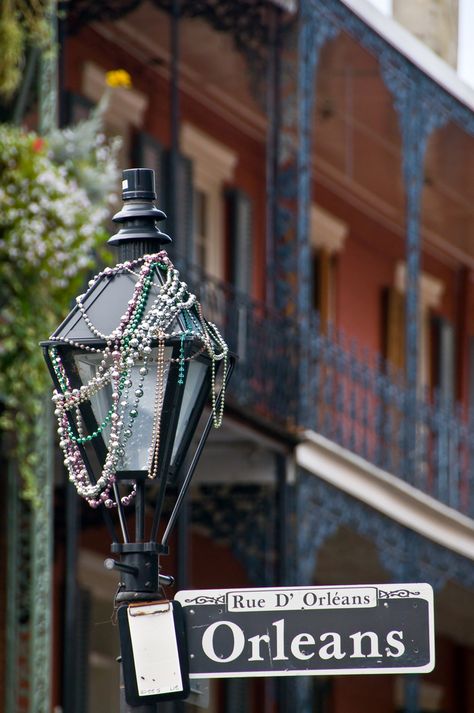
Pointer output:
x,y
124,364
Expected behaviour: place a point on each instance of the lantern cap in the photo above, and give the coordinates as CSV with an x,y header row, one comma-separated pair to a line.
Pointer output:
x,y
138,183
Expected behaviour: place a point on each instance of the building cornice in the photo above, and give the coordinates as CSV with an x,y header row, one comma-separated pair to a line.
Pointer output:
x,y
386,493
414,50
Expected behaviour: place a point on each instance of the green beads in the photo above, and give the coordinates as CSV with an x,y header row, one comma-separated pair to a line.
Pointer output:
x,y
86,439
181,360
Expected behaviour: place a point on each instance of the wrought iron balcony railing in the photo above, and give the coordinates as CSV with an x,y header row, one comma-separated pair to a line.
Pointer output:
x,y
266,377
297,378
362,404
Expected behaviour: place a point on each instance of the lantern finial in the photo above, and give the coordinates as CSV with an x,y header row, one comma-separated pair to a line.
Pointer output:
x,y
139,233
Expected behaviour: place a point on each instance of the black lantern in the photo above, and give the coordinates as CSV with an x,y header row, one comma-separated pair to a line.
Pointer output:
x,y
134,365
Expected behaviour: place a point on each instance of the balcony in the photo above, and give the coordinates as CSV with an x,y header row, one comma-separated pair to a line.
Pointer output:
x,y
292,379
364,406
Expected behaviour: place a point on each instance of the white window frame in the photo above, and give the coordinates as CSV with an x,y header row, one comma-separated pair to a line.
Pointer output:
x,y
326,231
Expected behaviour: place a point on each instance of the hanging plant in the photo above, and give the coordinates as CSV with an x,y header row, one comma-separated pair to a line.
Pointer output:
x,y
22,23
54,201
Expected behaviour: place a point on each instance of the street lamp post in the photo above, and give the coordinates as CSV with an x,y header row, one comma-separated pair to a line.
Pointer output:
x,y
134,365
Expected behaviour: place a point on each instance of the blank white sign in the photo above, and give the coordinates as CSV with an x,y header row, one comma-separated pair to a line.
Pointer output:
x,y
155,649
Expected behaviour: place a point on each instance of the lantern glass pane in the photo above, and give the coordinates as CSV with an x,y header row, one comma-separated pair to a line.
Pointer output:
x,y
140,399
194,381
101,402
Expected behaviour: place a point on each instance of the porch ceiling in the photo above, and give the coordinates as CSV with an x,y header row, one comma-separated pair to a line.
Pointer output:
x,y
357,144
356,137
358,153
212,71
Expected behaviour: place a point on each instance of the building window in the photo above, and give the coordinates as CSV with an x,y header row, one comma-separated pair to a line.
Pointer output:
x,y
431,292
394,328
213,167
324,272
239,214
328,235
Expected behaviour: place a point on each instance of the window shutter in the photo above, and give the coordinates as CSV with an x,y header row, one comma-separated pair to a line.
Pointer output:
x,y
239,211
323,286
444,358
394,322
239,266
147,152
179,226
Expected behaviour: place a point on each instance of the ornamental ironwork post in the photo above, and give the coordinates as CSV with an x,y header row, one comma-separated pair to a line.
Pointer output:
x,y
48,86
29,534
28,585
419,115
17,567
41,539
302,44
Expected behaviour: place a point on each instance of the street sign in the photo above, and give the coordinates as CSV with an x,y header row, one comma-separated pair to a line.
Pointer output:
x,y
301,631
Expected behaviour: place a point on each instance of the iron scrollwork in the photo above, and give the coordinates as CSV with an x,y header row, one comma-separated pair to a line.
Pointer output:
x,y
406,555
202,599
398,594
247,21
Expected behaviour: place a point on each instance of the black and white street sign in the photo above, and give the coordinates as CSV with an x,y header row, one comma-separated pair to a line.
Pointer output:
x,y
386,628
